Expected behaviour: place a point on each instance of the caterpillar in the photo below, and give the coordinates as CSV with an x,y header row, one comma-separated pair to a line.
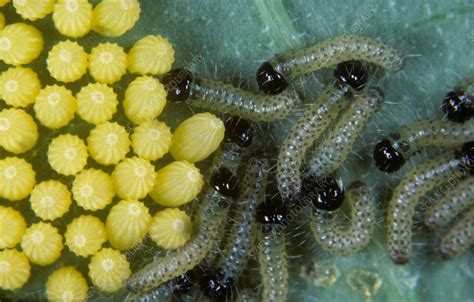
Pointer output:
x,y
333,151
343,240
390,155
239,242
458,103
459,238
306,130
183,86
273,75
455,202
271,249
164,292
414,185
223,187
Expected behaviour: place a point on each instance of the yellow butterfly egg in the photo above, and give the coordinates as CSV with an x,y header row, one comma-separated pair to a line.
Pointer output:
x,y
67,154
170,228
20,44
18,131
109,269
50,199
42,243
85,235
19,86
4,2
113,18
55,106
108,143
96,103
197,137
66,284
17,178
67,61
12,227
133,178
73,18
127,224
145,99
2,21
151,55
107,63
14,269
93,189
151,140
33,9
176,184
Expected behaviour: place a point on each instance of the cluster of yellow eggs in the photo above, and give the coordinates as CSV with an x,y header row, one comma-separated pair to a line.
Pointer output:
x,y
131,153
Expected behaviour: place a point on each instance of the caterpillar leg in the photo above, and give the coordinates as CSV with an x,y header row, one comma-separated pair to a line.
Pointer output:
x,y
285,67
333,151
415,184
182,86
345,240
459,238
456,201
303,134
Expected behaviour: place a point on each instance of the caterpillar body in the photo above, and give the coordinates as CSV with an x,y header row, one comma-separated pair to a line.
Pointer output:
x,y
273,75
456,201
333,151
390,155
208,94
273,263
415,184
307,129
460,237
163,293
344,240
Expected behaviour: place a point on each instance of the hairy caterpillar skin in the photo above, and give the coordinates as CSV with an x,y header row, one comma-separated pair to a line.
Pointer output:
x,y
290,65
163,293
333,151
390,155
306,130
459,238
415,184
225,98
273,263
455,202
344,240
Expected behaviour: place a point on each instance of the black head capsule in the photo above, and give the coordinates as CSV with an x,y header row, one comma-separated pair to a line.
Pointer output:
x,y
269,80
225,182
457,106
214,287
238,131
325,193
386,158
272,211
183,284
177,83
467,152
352,73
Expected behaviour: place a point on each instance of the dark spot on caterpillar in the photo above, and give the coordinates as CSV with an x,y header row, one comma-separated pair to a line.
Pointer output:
x,y
468,156
324,193
457,106
238,131
352,73
225,182
387,159
177,84
269,80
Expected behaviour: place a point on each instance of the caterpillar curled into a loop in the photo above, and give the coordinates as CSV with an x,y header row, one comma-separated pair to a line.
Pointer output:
x,y
342,240
273,75
305,131
391,154
413,186
239,241
333,151
456,201
460,237
183,86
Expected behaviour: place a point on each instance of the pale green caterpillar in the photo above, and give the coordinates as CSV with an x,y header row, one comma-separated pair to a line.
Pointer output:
x,y
456,201
460,237
304,132
342,240
333,151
